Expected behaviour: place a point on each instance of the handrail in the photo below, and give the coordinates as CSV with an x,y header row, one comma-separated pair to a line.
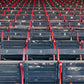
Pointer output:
x,y
23,54
2,35
60,70
22,77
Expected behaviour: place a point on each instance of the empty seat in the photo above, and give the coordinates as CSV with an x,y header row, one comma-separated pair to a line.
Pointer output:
x,y
12,44
65,44
10,72
41,72
40,44
72,72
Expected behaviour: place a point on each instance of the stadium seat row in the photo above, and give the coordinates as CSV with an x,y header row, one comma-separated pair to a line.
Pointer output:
x,y
41,72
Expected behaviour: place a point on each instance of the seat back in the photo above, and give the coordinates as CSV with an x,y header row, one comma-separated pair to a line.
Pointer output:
x,y
65,44
73,71
13,44
41,72
40,44
10,73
